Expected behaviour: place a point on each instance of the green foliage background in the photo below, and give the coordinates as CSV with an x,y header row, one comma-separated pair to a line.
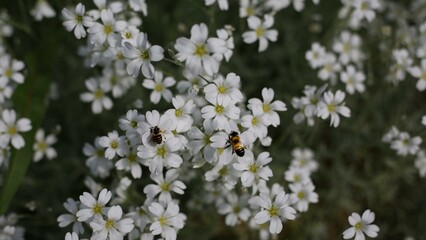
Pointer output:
x,y
357,171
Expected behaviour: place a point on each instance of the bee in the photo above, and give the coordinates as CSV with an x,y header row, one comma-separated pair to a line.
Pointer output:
x,y
156,135
235,142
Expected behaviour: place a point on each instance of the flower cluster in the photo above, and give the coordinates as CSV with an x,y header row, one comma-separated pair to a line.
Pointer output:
x,y
8,228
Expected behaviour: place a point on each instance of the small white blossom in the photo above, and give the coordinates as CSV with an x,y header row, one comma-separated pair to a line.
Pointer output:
x,y
361,225
42,9
66,219
160,87
114,228
77,20
92,207
97,95
260,31
253,170
165,185
166,221
10,128
405,145
43,146
333,105
113,143
353,79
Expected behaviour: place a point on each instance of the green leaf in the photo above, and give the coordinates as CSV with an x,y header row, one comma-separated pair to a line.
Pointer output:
x,y
29,101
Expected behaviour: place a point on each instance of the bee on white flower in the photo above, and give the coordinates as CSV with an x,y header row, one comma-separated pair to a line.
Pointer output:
x,y
333,105
77,20
260,31
42,9
10,128
361,225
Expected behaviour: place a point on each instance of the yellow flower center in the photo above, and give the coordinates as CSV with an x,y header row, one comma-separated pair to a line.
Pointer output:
x,y
358,226
12,130
8,73
365,5
79,18
165,187
161,151
207,139
236,209
159,87
250,11
423,76
114,144
300,195
128,35
99,94
273,211
223,171
260,32
330,107
107,29
254,121
253,168
222,89
265,107
219,109
178,112
162,220
109,224
346,47
220,150
200,50
132,158
296,178
42,146
113,80
145,55
133,124
97,209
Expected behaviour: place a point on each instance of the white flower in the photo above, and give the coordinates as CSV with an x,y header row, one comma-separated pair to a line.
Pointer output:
x,y
315,55
297,175
220,113
43,146
224,90
248,8
10,128
92,207
130,34
353,80
348,46
97,95
302,195
223,4
159,87
10,70
274,211
139,6
42,9
235,208
130,162
226,35
268,107
403,63
201,141
365,9
226,175
260,31
114,228
332,106
165,185
114,143
99,165
71,236
420,163
405,145
391,135
361,225
196,50
304,158
166,221
253,170
329,68
419,73
141,56
256,124
76,21
99,33
161,155
131,122
66,219
181,114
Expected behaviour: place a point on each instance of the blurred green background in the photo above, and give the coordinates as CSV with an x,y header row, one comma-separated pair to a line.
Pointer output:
x,y
357,171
